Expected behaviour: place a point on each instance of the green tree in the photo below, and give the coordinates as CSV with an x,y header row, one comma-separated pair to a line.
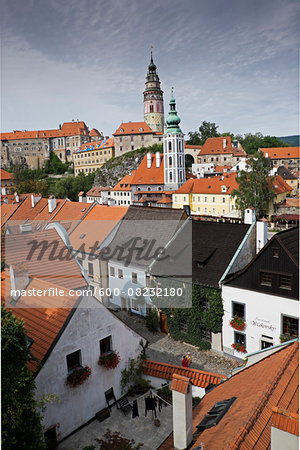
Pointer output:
x,y
255,188
55,165
206,130
21,427
36,186
71,186
252,142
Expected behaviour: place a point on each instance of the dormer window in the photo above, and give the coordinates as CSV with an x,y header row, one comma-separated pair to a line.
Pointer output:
x,y
224,188
122,130
141,129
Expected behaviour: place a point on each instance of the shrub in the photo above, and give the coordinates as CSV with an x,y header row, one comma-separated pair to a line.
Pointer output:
x,y
109,361
152,320
78,376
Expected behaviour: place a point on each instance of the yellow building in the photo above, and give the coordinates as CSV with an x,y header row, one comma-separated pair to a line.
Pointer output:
x,y
207,196
93,155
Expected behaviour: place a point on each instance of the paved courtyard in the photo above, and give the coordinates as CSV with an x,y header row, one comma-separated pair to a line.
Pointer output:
x,y
141,429
163,348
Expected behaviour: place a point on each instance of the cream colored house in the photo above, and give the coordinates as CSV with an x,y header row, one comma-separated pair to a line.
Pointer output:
x,y
121,193
93,155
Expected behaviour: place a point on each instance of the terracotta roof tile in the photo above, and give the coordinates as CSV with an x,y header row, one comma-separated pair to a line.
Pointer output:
x,y
4,175
96,145
96,191
165,200
186,145
198,378
7,211
285,421
125,183
94,132
279,185
152,175
273,381
211,185
132,128
281,152
27,212
180,383
215,146
67,129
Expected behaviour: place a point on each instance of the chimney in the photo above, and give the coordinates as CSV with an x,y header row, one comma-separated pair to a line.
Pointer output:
x,y
82,197
249,216
26,228
51,203
157,159
149,160
35,199
266,155
261,234
19,278
182,411
17,199
187,209
224,142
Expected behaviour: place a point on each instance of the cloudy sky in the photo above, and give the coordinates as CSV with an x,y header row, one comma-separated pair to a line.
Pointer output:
x,y
232,62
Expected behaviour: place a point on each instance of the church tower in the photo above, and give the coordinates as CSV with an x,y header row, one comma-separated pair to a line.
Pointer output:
x,y
153,100
174,164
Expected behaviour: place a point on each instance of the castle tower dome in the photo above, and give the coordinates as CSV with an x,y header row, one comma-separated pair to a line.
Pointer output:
x,y
174,163
153,100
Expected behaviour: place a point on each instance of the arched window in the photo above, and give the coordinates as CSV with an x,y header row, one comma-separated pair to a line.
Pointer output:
x,y
151,108
170,161
171,177
170,146
179,145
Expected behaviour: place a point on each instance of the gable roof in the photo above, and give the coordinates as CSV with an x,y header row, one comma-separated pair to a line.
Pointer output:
x,y
216,146
199,378
96,145
279,185
211,185
125,183
281,152
27,212
133,128
270,382
157,225
67,129
45,256
96,226
96,191
152,175
4,175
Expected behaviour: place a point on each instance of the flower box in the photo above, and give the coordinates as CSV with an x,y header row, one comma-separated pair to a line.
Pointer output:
x,y
239,348
285,338
238,323
78,376
109,360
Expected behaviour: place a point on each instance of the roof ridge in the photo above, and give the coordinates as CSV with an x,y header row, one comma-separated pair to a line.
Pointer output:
x,y
239,438
186,368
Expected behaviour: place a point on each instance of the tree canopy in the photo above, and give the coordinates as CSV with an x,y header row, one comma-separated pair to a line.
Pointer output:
x,y
21,427
255,188
206,130
71,186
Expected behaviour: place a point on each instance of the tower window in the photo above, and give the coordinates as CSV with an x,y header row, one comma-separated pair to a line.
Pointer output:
x,y
151,108
170,161
171,177
170,146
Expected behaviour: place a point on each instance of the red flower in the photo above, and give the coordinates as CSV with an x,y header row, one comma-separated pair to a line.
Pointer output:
x,y
110,360
239,348
238,323
78,376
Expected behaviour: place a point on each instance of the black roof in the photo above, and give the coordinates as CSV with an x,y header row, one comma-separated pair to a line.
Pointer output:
x,y
206,248
290,240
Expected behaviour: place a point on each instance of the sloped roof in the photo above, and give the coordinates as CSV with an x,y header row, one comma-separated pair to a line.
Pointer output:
x,y
285,421
285,173
215,146
27,212
281,152
279,185
165,200
271,382
211,185
132,128
145,224
94,132
67,129
96,145
96,226
7,211
45,256
152,175
4,175
199,378
96,191
125,183
179,383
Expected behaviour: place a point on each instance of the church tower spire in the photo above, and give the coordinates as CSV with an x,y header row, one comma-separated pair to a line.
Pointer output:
x,y
153,100
174,163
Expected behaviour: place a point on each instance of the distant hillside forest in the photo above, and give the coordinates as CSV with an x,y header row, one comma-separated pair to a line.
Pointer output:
x,y
292,141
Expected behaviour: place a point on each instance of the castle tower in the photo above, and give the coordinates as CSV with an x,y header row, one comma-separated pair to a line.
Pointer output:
x,y
174,164
153,100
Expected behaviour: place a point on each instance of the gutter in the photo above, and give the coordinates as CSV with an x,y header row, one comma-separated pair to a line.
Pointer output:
x,y
237,253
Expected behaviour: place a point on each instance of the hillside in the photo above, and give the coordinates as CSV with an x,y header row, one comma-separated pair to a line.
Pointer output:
x,y
116,168
293,141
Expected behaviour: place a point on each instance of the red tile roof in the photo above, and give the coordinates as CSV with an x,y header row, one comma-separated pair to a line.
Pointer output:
x,y
215,146
211,185
27,212
280,186
7,211
180,383
153,175
94,132
96,191
222,168
41,324
4,175
186,145
272,381
10,198
125,183
67,129
285,421
199,378
132,128
96,145
165,200
281,152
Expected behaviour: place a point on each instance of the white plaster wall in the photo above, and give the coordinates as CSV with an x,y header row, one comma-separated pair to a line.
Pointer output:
x,y
90,323
266,310
123,284
283,440
182,419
